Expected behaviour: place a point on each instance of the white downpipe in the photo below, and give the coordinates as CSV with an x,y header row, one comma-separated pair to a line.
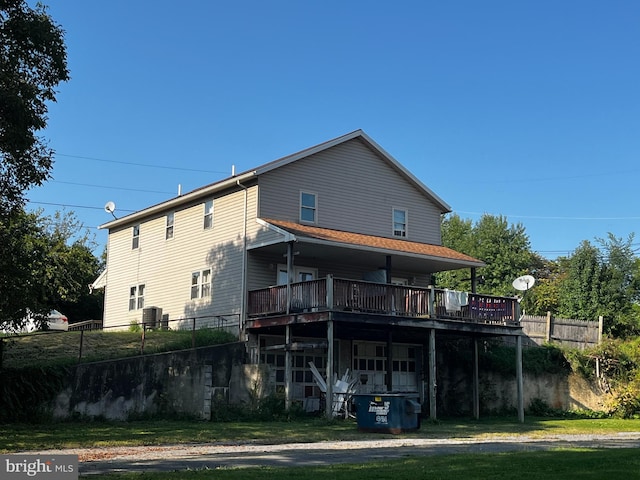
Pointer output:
x,y
243,293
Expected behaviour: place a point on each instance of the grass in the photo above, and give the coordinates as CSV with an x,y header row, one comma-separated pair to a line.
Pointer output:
x,y
63,348
556,464
23,437
586,464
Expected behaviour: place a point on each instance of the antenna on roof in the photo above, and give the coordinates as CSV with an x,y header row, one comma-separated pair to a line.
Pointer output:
x,y
110,207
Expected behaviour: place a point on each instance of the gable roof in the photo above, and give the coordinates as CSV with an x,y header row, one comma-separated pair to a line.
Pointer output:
x,y
267,167
370,242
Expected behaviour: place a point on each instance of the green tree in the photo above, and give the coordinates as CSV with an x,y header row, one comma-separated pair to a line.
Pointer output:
x,y
33,61
48,263
24,247
603,282
579,292
545,297
504,248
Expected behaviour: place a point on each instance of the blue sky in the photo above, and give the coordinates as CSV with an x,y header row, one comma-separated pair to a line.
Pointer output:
x,y
527,109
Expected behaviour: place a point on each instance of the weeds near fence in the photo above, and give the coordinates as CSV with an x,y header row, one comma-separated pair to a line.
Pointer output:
x,y
68,348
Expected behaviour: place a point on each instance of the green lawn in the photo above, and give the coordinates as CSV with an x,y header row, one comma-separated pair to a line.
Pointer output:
x,y
583,464
557,464
20,437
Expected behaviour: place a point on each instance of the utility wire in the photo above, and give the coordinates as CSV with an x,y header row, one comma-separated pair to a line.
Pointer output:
x,y
147,165
66,205
112,188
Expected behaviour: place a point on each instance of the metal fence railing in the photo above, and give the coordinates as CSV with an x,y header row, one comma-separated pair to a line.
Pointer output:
x,y
136,338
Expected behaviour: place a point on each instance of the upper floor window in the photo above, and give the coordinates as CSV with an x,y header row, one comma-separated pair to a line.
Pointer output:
x,y
169,229
308,207
136,297
135,240
201,284
208,214
399,222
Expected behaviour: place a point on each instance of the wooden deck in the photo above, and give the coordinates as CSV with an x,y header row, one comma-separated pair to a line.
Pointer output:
x,y
335,294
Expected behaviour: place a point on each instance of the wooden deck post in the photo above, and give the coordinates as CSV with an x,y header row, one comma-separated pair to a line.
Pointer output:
x,y
328,408
289,274
476,381
288,367
519,381
600,328
390,361
329,300
432,374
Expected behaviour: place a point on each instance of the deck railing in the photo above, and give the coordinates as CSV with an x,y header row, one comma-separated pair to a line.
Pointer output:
x,y
375,298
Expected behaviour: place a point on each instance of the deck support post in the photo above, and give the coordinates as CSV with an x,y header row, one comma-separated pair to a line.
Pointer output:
x,y
476,381
474,280
432,374
328,407
390,361
289,274
288,367
519,381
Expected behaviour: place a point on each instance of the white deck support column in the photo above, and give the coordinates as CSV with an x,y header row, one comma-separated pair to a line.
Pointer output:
x,y
288,367
476,381
520,383
432,374
328,407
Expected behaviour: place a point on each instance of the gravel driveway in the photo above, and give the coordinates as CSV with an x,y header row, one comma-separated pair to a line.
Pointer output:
x,y
212,456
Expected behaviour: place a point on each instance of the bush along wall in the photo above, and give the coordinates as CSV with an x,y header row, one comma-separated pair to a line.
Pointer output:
x,y
26,393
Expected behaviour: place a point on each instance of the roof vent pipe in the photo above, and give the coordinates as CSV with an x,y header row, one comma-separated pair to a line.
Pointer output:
x,y
233,170
179,189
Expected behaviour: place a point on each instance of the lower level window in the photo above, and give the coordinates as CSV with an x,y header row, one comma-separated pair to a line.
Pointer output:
x,y
136,297
201,284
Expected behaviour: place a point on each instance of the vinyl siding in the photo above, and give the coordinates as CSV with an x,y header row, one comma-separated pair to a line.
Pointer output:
x,y
165,266
356,191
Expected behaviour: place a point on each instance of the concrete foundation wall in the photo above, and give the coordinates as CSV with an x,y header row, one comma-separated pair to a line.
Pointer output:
x,y
188,382
181,383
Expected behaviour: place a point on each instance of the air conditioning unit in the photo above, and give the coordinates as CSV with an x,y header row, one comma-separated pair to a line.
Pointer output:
x,y
151,316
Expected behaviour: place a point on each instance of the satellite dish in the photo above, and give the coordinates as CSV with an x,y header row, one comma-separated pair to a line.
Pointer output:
x,y
523,283
110,207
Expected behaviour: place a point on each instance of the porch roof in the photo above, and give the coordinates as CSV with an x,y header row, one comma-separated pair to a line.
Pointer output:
x,y
405,253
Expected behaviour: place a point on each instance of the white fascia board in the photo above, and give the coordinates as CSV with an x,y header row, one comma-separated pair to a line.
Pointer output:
x,y
288,236
177,201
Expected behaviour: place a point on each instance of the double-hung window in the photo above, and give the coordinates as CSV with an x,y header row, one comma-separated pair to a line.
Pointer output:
x,y
201,284
136,297
308,207
135,239
169,228
208,214
399,222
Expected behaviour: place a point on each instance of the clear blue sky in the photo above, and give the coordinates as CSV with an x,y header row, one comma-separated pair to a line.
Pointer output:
x,y
528,109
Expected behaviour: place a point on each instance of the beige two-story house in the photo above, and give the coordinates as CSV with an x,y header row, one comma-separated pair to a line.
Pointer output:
x,y
323,256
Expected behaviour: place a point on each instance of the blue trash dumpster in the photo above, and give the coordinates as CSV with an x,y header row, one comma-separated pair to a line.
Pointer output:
x,y
394,412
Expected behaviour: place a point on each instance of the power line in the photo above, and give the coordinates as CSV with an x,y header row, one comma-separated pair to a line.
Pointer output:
x,y
538,217
66,205
112,188
146,165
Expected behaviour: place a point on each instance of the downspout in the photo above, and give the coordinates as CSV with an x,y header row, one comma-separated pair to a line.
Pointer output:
x,y
243,293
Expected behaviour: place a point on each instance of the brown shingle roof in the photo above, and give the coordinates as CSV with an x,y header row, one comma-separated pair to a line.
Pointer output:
x,y
372,241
